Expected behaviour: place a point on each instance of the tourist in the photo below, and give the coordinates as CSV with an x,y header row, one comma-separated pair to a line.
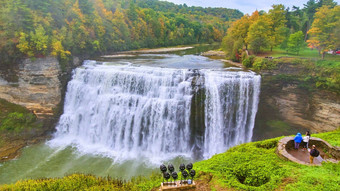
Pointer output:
x,y
306,141
313,153
297,140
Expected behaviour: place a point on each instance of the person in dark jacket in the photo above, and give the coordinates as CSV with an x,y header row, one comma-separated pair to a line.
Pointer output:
x,y
297,140
313,153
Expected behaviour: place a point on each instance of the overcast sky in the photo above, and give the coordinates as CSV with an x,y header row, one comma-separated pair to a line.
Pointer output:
x,y
245,6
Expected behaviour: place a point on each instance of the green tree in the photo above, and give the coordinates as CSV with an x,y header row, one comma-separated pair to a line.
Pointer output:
x,y
259,34
237,36
77,30
24,45
311,7
39,40
277,23
296,42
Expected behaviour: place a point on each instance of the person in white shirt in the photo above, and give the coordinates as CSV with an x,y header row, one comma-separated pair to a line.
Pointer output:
x,y
305,141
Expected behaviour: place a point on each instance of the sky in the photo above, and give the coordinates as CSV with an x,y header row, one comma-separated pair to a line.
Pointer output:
x,y
245,6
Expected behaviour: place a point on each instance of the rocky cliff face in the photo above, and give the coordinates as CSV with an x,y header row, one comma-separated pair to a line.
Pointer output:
x,y
37,86
319,112
285,108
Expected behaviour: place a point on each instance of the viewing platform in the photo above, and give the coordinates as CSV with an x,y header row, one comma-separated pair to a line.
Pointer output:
x,y
285,149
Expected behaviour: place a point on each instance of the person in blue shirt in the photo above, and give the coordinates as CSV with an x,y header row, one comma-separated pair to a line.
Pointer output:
x,y
297,140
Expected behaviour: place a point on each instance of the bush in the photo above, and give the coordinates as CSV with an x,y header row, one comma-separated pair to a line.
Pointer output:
x,y
267,144
264,64
248,62
17,121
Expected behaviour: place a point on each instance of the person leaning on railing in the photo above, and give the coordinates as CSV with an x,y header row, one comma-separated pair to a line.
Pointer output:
x,y
313,153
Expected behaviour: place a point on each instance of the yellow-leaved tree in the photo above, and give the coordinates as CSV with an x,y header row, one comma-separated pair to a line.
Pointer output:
x,y
259,34
324,29
237,34
277,23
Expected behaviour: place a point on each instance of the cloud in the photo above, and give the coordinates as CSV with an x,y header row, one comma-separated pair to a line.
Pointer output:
x,y
245,6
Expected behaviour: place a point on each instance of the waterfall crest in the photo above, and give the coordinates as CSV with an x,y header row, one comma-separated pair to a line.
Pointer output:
x,y
128,111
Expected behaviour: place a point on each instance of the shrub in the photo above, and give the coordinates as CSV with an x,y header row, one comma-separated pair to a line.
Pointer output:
x,y
16,121
267,144
248,62
264,64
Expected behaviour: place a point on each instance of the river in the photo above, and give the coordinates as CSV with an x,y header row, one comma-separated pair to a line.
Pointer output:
x,y
124,117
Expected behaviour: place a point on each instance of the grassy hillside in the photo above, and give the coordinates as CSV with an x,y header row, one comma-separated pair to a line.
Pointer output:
x,y
305,52
311,72
255,166
250,166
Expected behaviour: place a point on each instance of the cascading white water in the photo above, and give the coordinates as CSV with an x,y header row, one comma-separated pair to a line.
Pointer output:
x,y
129,112
230,109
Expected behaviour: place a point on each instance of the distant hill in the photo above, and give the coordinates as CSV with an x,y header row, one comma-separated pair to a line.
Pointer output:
x,y
37,28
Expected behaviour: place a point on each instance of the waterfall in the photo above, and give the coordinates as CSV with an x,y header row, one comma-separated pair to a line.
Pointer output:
x,y
129,111
230,109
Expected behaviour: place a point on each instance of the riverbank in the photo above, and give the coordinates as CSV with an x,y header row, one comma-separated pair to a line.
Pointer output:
x,y
12,144
146,51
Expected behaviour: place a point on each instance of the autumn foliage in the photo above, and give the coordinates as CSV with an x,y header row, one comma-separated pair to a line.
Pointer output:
x,y
60,28
318,24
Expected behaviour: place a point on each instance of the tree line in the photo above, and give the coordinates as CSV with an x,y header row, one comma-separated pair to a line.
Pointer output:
x,y
317,24
37,28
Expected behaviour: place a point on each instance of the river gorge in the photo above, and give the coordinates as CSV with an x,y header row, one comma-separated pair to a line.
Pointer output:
x,y
124,116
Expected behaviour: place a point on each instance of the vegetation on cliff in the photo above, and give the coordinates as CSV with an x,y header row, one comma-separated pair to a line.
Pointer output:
x,y
250,166
283,34
310,74
15,118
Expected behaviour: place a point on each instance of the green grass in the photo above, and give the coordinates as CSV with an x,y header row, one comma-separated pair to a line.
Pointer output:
x,y
86,182
314,72
304,53
332,138
255,166
250,166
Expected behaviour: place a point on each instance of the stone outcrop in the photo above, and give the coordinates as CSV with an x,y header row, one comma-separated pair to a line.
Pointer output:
x,y
319,112
285,102
37,88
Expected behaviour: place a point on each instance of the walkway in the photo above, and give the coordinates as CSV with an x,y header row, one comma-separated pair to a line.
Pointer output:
x,y
286,150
